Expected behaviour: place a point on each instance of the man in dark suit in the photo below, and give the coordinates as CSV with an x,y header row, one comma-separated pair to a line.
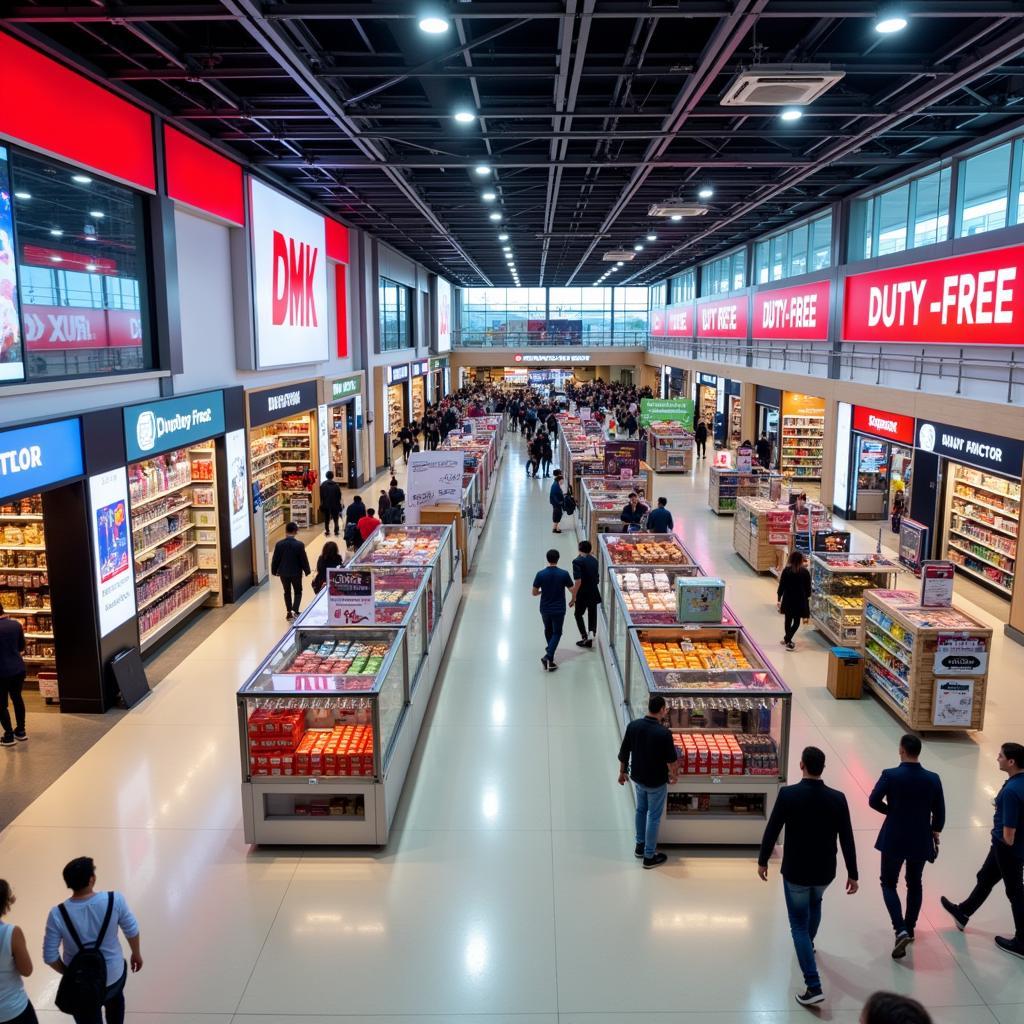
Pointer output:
x,y
911,799
330,503
290,563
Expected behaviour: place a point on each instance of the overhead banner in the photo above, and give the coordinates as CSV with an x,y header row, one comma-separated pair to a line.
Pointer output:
x,y
66,329
965,300
658,326
680,321
444,315
792,314
892,426
678,410
722,318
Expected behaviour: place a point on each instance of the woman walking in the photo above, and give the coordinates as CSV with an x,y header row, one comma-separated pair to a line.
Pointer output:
x,y
330,558
15,964
794,595
557,498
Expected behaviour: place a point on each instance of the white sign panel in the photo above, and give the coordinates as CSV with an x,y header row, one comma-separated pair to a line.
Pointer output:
x,y
351,597
238,486
954,702
112,548
444,315
324,426
957,654
434,478
289,276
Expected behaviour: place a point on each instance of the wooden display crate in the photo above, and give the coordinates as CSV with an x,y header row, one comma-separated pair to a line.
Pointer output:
x,y
750,534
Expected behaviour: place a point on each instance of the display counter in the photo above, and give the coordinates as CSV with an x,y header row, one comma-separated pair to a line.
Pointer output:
x,y
929,666
751,533
324,737
729,714
645,551
726,486
601,501
839,582
669,447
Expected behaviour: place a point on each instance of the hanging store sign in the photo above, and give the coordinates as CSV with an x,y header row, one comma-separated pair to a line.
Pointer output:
x,y
444,315
280,403
889,425
173,423
396,374
986,451
680,321
39,456
792,314
722,318
966,300
678,410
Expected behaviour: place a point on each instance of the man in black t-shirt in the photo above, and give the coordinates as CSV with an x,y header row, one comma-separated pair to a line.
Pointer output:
x,y
648,757
586,593
550,585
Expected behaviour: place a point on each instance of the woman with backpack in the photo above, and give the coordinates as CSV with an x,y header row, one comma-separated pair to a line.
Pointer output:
x,y
15,964
330,558
557,498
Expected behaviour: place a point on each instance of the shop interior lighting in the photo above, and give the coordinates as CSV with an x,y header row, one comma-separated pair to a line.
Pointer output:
x,y
56,259
619,263
97,214
502,237
465,116
22,195
889,22
482,169
676,216
81,179
90,266
652,238
56,232
495,216
638,248
433,25
791,114
489,197
706,192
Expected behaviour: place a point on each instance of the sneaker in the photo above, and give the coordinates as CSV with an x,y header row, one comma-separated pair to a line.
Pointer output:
x,y
544,661
1011,946
811,997
552,667
638,851
653,862
20,735
289,616
790,646
583,643
7,740
589,642
955,912
899,951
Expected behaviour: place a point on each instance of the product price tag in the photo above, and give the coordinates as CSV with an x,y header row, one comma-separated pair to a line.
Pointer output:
x,y
937,584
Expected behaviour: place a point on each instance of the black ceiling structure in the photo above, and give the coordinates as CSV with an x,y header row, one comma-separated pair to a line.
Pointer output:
x,y
587,111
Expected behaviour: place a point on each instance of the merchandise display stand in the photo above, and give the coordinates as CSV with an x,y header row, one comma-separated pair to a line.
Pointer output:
x,y
727,486
641,551
802,446
751,531
928,666
600,502
839,582
669,447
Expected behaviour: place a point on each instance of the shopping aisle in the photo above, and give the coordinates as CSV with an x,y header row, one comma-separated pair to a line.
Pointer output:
x,y
509,891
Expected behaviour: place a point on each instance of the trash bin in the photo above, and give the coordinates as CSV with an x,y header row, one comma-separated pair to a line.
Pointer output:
x,y
845,673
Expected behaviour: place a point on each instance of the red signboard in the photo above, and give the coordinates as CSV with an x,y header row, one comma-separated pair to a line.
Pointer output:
x,y
891,425
722,318
965,300
62,259
792,314
65,328
199,176
337,240
680,321
658,327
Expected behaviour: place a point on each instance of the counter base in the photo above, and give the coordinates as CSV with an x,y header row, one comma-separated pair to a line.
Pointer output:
x,y
616,684
724,828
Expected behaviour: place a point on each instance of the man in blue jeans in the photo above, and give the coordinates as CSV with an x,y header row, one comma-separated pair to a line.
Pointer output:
x,y
550,585
814,817
648,757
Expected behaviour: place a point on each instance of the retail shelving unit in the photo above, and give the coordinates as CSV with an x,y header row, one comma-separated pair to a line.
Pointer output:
x,y
726,486
929,666
280,456
839,582
750,533
669,447
802,446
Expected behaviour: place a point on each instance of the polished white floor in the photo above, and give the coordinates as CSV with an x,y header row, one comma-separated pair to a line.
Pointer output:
x,y
509,892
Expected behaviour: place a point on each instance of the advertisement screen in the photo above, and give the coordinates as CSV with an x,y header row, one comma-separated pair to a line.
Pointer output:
x,y
12,366
444,315
112,548
238,491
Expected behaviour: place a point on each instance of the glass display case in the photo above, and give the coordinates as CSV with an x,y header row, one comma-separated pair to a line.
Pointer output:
x,y
669,447
603,499
403,547
645,551
323,710
839,582
729,714
402,597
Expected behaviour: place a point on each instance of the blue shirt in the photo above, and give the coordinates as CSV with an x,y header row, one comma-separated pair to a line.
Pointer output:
x,y
1009,811
659,520
552,583
555,495
87,917
12,645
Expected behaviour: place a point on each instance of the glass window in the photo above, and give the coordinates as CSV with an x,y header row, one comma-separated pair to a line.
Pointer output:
x,y
778,257
931,209
798,250
394,321
78,245
892,220
821,243
985,186
739,270
761,262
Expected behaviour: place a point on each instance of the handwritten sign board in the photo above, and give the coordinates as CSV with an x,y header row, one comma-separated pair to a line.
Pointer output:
x,y
434,478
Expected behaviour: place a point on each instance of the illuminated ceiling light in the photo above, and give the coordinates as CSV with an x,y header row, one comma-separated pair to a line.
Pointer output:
x,y
791,114
433,25
482,169
81,179
90,266
22,195
638,248
502,238
676,216
706,192
97,214
56,232
495,216
489,197
619,263
56,259
465,116
890,22
91,238
652,238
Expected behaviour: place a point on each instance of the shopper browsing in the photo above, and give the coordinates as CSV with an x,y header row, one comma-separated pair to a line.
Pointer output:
x,y
395,494
794,596
91,917
12,679
911,799
764,450
330,558
367,524
405,436
648,757
659,519
633,512
814,817
15,964
586,593
889,1008
700,438
290,563
330,502
1005,860
557,498
355,511
550,585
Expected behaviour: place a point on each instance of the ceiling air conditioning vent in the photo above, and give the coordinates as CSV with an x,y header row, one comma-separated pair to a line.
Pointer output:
x,y
616,254
780,85
677,209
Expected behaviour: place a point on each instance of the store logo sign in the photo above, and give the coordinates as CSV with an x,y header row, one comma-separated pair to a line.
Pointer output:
x,y
986,451
794,314
530,357
145,431
290,399
294,268
35,457
726,318
889,425
345,386
173,423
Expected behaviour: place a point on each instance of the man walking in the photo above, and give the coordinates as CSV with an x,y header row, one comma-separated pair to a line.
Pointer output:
x,y
290,563
648,757
814,816
1005,858
911,799
330,503
700,437
659,520
586,594
550,585
12,679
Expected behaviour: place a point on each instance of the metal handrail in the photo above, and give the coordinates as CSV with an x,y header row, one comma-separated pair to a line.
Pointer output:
x,y
549,339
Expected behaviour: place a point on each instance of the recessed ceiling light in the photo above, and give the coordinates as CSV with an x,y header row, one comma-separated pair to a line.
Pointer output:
x,y
57,259
97,214
22,195
56,232
502,238
889,23
495,216
791,114
706,192
676,216
652,238
433,25
489,197
81,179
464,116
482,169
619,264
90,266
638,248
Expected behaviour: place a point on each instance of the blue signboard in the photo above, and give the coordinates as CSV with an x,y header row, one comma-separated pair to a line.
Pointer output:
x,y
172,423
32,458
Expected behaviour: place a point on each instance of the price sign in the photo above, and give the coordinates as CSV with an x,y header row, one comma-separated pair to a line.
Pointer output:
x,y
957,654
954,702
937,584
351,597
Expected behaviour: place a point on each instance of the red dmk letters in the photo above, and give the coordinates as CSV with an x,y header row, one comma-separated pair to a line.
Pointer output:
x,y
294,266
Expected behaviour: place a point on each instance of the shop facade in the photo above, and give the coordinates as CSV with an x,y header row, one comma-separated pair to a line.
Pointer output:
x,y
767,410
342,450
419,372
439,381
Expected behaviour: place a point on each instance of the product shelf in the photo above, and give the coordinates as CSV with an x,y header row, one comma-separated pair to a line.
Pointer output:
x,y
20,517
988,526
164,625
153,598
163,540
980,558
981,576
163,515
139,577
138,503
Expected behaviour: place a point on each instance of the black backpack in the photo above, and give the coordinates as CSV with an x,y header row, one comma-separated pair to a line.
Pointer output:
x,y
83,984
569,504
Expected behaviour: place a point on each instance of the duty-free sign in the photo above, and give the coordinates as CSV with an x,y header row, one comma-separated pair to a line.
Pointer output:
x,y
722,318
797,314
680,321
966,300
